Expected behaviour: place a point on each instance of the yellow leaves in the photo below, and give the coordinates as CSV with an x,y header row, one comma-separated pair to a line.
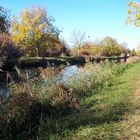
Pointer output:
x,y
134,4
133,13
137,16
31,25
25,15
30,30
131,4
129,11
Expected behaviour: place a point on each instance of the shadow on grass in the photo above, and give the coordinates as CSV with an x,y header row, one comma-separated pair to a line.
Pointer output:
x,y
102,108
104,114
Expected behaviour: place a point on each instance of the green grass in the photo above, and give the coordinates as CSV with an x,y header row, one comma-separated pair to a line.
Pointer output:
x,y
105,92
101,114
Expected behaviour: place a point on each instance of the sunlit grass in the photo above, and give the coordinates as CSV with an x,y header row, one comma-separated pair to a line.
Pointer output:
x,y
101,114
102,93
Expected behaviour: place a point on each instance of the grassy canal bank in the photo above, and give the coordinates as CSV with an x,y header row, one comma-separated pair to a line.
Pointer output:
x,y
102,115
93,104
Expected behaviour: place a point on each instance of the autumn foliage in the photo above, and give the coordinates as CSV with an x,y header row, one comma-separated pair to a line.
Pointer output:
x,y
34,32
133,13
106,47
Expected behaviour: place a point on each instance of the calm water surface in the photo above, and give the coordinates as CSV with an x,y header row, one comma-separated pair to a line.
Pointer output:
x,y
63,76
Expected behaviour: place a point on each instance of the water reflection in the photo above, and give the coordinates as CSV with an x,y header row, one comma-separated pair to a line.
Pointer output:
x,y
4,92
51,74
68,72
45,76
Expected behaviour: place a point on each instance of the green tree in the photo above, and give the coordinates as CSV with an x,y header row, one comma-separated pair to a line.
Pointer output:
x,y
33,30
4,20
90,49
110,47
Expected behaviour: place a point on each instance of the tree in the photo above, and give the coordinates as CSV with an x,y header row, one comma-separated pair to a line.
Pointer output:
x,y
78,39
110,47
89,49
109,41
4,20
132,52
33,31
133,13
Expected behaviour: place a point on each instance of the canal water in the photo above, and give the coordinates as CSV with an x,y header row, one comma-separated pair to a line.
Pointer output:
x,y
61,74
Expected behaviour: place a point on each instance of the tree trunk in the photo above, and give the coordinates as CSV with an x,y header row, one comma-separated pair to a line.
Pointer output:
x,y
37,52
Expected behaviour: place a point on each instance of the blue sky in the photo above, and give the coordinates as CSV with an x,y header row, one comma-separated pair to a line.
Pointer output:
x,y
98,18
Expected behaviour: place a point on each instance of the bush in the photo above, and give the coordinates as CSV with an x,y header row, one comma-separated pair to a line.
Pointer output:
x,y
8,51
92,78
27,103
21,116
7,47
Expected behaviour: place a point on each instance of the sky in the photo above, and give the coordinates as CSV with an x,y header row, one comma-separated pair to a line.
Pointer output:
x,y
97,18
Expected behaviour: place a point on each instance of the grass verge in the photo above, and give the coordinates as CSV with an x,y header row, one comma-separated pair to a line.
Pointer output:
x,y
101,116
93,105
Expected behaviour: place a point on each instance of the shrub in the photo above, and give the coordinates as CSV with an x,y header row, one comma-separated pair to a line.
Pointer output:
x,y
29,100
8,51
92,78
21,116
7,47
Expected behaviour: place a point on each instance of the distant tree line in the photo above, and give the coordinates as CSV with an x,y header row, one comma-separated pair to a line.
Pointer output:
x,y
33,34
106,47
